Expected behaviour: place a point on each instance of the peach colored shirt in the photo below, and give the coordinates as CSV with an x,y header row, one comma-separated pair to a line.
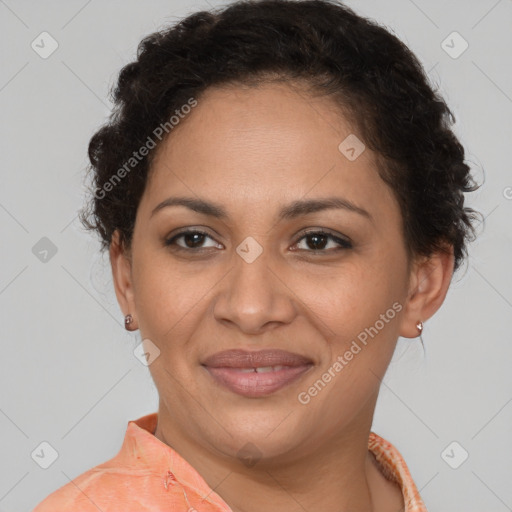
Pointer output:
x,y
147,475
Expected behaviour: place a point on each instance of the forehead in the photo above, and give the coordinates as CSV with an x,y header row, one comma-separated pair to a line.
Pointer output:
x,y
259,145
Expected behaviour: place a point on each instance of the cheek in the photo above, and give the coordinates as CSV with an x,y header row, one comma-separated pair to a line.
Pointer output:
x,y
171,298
359,312
348,299
162,295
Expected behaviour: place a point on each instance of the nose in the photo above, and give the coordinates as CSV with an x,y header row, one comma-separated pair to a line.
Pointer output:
x,y
254,297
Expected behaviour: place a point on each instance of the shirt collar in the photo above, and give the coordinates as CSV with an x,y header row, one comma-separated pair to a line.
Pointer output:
x,y
143,451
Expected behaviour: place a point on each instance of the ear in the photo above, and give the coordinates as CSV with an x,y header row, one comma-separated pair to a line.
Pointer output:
x,y
428,285
120,261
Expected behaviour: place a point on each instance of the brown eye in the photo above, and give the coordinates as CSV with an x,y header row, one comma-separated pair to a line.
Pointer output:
x,y
319,241
192,239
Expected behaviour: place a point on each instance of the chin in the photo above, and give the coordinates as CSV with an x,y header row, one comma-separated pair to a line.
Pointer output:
x,y
260,435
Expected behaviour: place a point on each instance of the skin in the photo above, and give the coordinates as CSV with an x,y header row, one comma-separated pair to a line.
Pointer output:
x,y
252,151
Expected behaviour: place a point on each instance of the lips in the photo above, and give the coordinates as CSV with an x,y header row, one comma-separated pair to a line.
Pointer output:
x,y
259,359
256,374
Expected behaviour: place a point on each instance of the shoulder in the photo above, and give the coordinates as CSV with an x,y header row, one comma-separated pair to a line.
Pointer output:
x,y
113,490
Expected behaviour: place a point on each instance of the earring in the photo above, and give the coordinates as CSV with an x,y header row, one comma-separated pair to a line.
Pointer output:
x,y
128,320
419,326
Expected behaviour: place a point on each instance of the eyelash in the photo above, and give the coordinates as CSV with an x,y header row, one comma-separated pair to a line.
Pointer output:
x,y
343,243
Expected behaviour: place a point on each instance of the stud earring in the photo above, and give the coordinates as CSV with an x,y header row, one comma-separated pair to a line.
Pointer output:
x,y
128,320
419,326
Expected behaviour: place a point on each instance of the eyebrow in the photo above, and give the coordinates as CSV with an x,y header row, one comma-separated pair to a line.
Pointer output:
x,y
290,211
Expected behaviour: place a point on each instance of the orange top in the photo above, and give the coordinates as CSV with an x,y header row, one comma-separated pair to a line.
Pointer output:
x,y
147,475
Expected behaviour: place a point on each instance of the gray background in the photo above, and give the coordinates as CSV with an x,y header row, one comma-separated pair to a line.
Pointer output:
x,y
68,373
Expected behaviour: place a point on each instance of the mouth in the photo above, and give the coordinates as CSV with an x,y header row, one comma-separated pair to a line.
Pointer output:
x,y
256,374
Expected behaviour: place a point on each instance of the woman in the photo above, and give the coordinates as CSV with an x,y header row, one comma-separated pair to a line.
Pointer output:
x,y
281,196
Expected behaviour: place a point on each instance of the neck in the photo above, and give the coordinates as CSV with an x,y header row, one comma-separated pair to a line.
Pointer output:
x,y
330,484
338,475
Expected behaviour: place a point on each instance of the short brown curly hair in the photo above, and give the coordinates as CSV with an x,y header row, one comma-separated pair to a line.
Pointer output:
x,y
369,73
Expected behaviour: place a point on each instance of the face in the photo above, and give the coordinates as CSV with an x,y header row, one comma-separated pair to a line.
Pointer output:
x,y
327,282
